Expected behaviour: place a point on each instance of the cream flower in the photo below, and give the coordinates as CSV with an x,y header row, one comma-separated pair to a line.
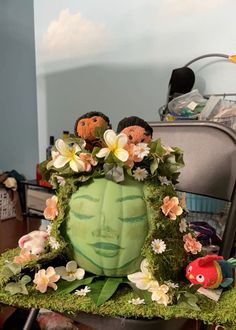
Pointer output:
x,y
51,212
158,246
183,226
136,301
83,292
67,154
159,293
171,207
141,150
140,174
54,155
191,244
144,279
70,272
115,144
46,278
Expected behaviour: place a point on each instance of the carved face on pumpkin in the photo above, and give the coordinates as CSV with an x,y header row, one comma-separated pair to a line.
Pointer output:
x,y
107,225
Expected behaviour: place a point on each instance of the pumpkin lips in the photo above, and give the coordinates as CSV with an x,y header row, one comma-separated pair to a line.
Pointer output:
x,y
104,249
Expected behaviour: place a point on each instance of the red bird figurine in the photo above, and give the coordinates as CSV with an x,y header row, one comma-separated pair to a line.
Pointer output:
x,y
211,271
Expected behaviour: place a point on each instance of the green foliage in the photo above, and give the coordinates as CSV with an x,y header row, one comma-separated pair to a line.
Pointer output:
x,y
18,286
103,289
65,287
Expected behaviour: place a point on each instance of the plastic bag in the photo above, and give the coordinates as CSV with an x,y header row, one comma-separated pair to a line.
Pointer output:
x,y
187,106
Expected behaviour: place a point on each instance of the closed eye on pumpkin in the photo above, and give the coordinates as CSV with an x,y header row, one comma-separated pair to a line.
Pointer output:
x,y
133,219
82,216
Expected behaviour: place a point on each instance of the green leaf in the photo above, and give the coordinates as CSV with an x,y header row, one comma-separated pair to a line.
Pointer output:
x,y
113,172
102,290
6,272
25,279
14,268
143,294
154,165
13,288
65,287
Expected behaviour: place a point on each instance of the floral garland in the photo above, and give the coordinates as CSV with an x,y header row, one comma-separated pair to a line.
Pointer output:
x,y
72,163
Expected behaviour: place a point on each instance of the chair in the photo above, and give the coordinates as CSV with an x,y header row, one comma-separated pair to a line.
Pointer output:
x,y
210,170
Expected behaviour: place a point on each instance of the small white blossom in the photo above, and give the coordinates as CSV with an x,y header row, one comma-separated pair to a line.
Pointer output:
x,y
158,246
70,272
61,181
141,150
136,301
164,180
183,226
54,243
172,285
140,174
83,292
48,229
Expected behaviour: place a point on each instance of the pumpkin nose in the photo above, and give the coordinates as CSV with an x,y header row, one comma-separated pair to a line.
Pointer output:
x,y
105,232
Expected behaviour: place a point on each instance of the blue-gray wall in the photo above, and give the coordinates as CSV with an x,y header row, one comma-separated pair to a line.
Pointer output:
x,y
18,106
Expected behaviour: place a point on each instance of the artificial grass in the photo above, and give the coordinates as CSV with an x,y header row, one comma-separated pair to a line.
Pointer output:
x,y
222,312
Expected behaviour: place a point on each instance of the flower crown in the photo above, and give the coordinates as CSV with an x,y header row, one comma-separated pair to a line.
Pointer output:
x,y
113,158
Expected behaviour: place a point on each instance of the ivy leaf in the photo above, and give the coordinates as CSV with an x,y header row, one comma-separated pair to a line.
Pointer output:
x,y
113,172
102,290
65,287
12,268
25,279
13,288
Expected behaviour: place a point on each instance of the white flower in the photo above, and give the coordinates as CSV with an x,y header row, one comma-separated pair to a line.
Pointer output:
x,y
183,226
67,154
115,144
136,301
53,243
144,279
141,150
70,272
61,181
158,246
140,174
164,180
83,292
159,293
54,155
172,285
168,150
48,229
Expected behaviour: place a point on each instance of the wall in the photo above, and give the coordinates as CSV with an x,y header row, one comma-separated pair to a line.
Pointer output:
x,y
117,57
18,124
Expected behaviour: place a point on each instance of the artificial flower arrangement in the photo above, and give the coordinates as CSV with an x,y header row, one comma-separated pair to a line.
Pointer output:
x,y
117,222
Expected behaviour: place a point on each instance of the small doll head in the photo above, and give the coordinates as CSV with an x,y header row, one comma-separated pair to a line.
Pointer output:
x,y
87,125
137,129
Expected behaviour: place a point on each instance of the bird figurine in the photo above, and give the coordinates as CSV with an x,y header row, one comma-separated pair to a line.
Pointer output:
x,y
211,271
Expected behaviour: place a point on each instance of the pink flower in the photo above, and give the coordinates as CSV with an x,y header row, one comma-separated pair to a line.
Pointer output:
x,y
133,157
171,208
24,256
51,211
46,278
88,160
191,244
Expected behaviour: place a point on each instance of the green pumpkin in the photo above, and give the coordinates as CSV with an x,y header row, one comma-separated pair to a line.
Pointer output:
x,y
107,225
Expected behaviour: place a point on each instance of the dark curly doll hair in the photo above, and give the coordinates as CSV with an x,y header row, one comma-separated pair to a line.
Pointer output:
x,y
134,121
91,114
